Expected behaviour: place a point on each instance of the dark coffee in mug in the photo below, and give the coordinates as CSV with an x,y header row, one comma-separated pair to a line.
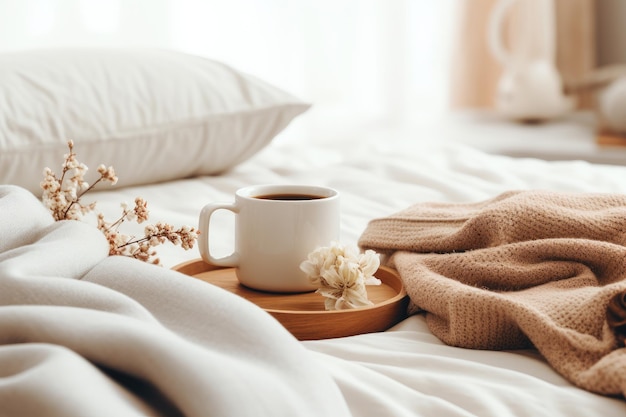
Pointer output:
x,y
289,197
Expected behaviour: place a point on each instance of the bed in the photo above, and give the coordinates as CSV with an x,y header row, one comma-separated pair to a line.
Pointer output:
x,y
84,333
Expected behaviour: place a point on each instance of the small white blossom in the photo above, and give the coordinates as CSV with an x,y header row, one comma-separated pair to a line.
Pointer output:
x,y
107,174
141,210
341,274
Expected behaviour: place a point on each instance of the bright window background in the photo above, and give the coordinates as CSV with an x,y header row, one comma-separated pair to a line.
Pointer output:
x,y
380,60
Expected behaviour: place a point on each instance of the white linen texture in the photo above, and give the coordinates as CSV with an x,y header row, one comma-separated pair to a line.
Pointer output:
x,y
85,334
154,114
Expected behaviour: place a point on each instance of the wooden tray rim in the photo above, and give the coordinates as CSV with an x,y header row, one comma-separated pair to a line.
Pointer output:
x,y
389,277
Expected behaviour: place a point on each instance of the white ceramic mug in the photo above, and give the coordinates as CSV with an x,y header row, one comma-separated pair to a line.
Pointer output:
x,y
276,227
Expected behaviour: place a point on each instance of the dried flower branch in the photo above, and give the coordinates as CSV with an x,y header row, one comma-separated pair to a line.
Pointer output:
x,y
341,274
62,196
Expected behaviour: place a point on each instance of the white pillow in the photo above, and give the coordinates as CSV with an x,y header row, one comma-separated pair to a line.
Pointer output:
x,y
154,115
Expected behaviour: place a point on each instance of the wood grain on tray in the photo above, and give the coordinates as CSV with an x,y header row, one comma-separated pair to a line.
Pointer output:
x,y
304,314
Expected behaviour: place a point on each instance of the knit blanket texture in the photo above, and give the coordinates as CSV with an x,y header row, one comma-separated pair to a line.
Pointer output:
x,y
525,269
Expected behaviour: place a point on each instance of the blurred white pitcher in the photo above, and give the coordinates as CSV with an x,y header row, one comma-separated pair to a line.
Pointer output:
x,y
276,227
530,87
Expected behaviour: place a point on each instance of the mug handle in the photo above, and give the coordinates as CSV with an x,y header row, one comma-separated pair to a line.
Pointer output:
x,y
231,260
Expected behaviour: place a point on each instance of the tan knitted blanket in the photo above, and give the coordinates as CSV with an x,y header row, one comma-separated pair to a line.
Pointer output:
x,y
527,268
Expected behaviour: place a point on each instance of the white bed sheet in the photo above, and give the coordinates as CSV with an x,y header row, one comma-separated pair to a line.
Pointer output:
x,y
405,371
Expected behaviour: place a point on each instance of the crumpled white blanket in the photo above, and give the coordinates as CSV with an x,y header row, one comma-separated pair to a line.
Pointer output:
x,y
85,334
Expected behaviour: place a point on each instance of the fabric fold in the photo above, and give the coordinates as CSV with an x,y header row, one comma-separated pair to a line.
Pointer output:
x,y
83,333
526,268
616,316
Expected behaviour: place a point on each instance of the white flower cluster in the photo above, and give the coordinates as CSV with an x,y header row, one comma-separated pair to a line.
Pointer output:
x,y
341,274
62,197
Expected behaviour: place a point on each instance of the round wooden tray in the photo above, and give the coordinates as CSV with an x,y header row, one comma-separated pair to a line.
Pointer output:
x,y
304,315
